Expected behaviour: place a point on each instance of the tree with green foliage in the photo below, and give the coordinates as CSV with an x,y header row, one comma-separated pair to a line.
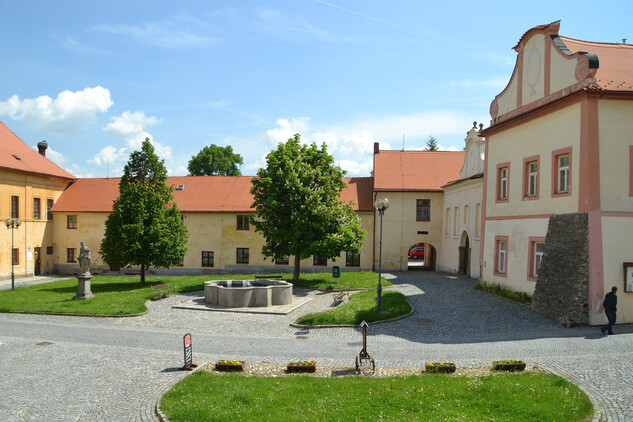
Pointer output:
x,y
144,227
215,161
297,204
431,144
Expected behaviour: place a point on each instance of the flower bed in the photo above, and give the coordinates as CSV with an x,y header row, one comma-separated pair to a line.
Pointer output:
x,y
440,367
303,366
508,365
229,365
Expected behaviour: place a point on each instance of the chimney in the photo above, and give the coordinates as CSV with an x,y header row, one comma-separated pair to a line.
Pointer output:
x,y
376,148
41,147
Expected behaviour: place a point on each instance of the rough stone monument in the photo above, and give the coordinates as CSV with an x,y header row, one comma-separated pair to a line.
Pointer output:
x,y
84,276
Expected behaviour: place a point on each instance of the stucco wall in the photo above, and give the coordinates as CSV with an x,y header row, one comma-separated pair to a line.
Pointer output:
x,y
617,249
538,137
32,233
466,193
615,128
400,228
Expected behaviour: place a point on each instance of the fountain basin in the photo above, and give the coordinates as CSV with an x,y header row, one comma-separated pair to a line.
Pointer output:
x,y
247,293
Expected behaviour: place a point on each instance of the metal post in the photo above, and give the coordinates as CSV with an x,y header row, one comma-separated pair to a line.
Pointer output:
x,y
379,306
12,223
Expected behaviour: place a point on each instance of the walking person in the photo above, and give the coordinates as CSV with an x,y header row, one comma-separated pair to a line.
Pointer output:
x,y
610,308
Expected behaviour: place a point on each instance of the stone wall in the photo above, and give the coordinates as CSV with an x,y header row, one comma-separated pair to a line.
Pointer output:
x,y
562,289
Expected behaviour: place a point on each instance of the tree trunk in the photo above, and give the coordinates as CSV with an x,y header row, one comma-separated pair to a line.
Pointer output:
x,y
297,269
142,273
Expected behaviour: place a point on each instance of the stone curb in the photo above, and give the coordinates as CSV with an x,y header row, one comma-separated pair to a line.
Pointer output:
x,y
157,402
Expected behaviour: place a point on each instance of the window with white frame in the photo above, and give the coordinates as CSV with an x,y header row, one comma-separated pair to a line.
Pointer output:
x,y
539,248
563,173
532,181
503,180
501,256
36,208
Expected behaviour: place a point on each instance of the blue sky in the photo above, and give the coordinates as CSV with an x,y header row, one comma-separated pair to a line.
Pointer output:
x,y
95,78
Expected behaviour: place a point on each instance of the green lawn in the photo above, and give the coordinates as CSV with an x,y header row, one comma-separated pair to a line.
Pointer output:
x,y
126,295
361,307
507,397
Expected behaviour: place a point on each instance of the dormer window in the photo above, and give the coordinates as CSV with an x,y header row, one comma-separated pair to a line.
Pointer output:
x,y
180,187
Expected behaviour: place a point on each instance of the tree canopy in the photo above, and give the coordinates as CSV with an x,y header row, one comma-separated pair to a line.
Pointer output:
x,y
215,161
298,207
144,227
431,144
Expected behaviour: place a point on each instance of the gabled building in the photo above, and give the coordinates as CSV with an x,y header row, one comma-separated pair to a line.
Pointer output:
x,y
215,210
558,184
413,183
29,186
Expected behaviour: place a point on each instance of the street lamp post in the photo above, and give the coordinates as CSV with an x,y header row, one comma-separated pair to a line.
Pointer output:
x,y
381,205
12,223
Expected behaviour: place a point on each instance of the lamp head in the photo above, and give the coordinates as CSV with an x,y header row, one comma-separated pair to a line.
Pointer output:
x,y
381,204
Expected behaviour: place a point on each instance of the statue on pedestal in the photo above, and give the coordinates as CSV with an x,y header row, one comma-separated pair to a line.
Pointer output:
x,y
83,278
84,258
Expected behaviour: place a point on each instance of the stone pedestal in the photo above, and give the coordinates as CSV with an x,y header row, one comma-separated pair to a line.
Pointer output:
x,y
83,287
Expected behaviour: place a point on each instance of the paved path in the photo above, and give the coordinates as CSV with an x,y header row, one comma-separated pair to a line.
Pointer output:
x,y
60,368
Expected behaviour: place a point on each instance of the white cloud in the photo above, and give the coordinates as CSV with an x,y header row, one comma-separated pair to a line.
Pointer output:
x,y
131,127
109,155
352,143
66,113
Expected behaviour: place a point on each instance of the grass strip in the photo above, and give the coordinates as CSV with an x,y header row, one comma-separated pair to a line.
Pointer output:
x,y
203,396
499,290
127,296
361,307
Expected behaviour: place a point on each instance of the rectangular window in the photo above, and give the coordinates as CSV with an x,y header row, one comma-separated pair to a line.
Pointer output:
x,y
36,208
447,222
49,250
537,248
283,261
242,256
423,210
242,222
207,258
561,172
15,207
70,255
455,220
465,214
49,205
15,256
531,177
352,259
503,182
477,220
501,256
318,261
71,222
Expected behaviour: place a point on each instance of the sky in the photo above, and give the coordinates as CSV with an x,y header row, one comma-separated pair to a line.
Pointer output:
x,y
94,79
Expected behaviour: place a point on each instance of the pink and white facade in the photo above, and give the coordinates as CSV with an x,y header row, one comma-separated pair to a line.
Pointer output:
x,y
561,141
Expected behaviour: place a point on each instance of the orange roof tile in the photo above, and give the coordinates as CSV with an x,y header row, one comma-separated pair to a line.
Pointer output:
x,y
615,71
416,170
200,194
17,156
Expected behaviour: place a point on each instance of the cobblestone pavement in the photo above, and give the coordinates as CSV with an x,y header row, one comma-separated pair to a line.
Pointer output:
x,y
61,368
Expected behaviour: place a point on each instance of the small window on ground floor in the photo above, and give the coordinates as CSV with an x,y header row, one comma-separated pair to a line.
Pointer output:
x,y
318,261
15,256
70,255
283,261
352,259
207,258
242,256
49,250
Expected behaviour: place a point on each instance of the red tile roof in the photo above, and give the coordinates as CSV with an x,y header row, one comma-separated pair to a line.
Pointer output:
x,y
615,71
17,156
416,170
200,194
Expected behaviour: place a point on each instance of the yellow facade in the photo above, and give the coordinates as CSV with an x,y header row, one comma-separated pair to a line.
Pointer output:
x,y
35,232
401,230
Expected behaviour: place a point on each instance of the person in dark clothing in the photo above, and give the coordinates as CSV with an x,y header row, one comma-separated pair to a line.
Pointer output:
x,y
610,308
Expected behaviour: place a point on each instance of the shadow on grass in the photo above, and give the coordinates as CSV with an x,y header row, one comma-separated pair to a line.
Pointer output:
x,y
102,287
